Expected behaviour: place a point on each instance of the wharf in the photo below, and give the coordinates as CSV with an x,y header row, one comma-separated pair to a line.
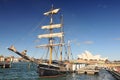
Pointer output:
x,y
91,69
5,65
114,74
88,71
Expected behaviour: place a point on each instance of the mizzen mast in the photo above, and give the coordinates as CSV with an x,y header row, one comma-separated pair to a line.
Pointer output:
x,y
62,38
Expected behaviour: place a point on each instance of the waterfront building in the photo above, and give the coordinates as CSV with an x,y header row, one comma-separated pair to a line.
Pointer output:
x,y
2,58
77,66
87,58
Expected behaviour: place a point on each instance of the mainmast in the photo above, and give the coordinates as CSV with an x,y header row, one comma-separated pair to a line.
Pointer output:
x,y
51,38
51,35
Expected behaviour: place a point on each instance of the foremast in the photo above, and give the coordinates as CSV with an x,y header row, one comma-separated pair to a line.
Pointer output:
x,y
51,35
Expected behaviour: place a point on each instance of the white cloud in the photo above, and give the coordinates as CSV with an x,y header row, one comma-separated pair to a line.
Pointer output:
x,y
88,42
37,40
75,41
78,44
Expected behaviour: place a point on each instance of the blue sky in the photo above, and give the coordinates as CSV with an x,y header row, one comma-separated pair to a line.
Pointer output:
x,y
92,25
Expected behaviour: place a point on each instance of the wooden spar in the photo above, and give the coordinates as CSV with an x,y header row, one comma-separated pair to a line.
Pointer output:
x,y
25,57
23,54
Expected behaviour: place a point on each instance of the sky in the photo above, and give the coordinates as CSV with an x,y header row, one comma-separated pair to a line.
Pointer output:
x,y
92,25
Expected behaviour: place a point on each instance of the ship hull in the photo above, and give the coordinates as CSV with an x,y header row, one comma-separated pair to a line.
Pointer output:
x,y
50,72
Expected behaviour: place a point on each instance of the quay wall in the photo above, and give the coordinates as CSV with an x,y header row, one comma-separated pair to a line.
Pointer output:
x,y
114,74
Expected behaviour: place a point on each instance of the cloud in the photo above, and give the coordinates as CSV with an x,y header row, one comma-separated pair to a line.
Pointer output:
x,y
37,40
118,39
78,44
75,41
88,42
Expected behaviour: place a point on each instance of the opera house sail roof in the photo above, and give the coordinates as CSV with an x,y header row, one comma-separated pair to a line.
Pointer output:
x,y
88,56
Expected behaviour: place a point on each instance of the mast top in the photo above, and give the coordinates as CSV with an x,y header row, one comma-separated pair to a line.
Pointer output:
x,y
52,11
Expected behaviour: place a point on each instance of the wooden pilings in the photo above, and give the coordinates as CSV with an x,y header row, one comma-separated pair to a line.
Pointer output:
x,y
5,65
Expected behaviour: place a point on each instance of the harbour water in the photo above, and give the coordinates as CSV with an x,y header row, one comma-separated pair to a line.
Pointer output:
x,y
28,71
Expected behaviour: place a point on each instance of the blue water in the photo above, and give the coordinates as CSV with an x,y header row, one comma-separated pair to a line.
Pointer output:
x,y
28,71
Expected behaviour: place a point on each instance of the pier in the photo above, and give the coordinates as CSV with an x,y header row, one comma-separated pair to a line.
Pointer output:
x,y
5,65
88,70
5,62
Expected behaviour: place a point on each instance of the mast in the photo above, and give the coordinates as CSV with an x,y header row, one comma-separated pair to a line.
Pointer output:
x,y
51,35
61,39
69,53
51,39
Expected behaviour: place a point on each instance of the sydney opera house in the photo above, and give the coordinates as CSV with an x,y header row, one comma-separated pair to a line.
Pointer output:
x,y
88,56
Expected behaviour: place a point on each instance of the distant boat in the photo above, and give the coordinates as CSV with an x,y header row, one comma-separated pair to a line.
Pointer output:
x,y
55,36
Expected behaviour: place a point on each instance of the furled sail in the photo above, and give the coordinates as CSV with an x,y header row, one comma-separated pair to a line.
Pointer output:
x,y
51,35
52,26
47,45
54,11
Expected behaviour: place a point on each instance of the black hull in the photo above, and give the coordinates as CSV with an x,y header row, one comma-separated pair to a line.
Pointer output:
x,y
50,72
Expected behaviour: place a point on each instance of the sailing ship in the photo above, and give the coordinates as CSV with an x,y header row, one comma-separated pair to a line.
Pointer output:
x,y
50,67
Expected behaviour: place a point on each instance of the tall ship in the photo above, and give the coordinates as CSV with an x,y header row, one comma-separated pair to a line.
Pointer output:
x,y
55,39
50,67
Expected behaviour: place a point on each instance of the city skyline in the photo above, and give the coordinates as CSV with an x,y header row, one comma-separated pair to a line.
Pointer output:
x,y
91,25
